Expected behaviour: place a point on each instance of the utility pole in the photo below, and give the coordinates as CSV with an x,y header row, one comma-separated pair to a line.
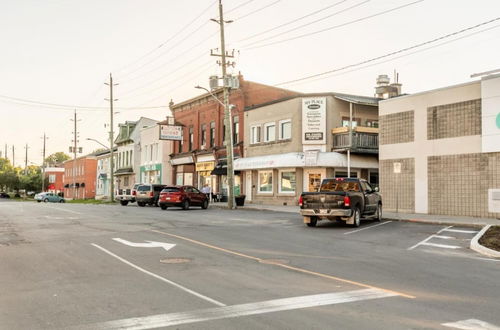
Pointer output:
x,y
111,138
350,142
43,163
13,156
26,160
6,155
75,142
227,110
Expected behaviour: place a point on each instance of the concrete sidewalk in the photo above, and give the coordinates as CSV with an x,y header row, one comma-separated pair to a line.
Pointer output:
x,y
410,217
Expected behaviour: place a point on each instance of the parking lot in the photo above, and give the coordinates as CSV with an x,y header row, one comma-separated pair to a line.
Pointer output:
x,y
110,267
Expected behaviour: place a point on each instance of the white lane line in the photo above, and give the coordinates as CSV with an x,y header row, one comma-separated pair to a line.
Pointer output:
x,y
462,231
64,210
444,246
355,231
217,313
183,288
444,237
428,238
471,324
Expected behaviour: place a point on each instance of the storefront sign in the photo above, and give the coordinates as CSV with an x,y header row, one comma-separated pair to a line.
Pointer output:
x,y
490,114
182,160
170,132
311,158
205,166
314,120
151,167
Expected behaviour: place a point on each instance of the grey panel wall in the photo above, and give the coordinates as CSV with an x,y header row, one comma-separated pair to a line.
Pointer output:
x,y
452,120
398,189
397,128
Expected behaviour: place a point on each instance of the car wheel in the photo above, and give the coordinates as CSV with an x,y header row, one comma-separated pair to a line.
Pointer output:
x,y
62,201
141,204
313,222
378,215
38,201
163,207
356,217
124,203
185,205
46,200
205,204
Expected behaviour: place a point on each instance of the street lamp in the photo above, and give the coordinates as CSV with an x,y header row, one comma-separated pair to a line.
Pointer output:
x,y
229,148
111,195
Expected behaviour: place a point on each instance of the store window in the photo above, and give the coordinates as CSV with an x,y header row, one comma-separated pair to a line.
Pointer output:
x,y
285,129
269,132
341,174
212,134
255,134
179,180
265,181
287,182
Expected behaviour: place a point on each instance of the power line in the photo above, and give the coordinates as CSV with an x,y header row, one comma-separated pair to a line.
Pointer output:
x,y
292,21
332,27
257,10
239,6
449,35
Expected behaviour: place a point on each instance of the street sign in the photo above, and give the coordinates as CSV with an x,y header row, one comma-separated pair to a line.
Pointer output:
x,y
397,167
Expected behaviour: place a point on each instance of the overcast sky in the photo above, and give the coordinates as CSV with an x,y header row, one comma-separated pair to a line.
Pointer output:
x,y
62,51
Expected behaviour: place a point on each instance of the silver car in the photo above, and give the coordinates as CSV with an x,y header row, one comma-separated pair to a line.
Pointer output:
x,y
48,197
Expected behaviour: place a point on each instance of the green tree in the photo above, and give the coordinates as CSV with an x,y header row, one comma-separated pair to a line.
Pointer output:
x,y
56,158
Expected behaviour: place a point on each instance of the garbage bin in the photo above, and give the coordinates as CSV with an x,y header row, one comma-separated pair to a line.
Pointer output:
x,y
240,200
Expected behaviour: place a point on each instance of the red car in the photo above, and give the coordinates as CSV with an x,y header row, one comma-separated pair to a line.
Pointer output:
x,y
182,196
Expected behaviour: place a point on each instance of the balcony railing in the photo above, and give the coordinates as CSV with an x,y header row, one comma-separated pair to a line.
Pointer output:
x,y
364,139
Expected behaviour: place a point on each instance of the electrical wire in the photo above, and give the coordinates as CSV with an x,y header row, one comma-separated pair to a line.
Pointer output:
x,y
238,7
256,10
329,28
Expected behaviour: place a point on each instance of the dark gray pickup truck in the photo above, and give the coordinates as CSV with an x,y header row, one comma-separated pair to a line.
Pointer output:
x,y
341,199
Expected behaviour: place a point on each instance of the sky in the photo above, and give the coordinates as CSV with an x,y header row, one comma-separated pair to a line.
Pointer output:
x,y
63,51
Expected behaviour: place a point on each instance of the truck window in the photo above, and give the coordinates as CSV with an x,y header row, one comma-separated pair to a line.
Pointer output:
x,y
334,185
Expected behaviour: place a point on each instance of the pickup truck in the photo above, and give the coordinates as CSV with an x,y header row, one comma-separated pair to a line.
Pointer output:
x,y
341,199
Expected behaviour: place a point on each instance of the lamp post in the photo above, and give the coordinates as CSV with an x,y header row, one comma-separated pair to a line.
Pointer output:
x,y
229,147
111,165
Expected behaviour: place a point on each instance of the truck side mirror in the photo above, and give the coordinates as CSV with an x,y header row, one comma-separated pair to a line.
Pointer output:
x,y
376,189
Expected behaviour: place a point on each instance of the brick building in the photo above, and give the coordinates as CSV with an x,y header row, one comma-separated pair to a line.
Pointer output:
x,y
54,177
80,177
200,158
440,150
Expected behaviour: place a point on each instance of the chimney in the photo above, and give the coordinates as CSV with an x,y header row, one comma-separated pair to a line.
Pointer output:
x,y
386,90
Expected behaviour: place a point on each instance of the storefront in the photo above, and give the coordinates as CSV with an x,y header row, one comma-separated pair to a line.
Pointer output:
x,y
204,175
151,173
184,169
220,171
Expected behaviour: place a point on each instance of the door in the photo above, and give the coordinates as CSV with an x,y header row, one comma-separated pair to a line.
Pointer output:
x,y
370,197
248,186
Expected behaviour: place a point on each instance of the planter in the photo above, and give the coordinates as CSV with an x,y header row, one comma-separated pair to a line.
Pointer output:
x,y
240,200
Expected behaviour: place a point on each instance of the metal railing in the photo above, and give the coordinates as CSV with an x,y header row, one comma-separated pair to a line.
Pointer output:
x,y
360,141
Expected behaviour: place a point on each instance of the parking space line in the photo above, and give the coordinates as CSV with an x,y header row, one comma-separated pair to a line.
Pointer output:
x,y
378,224
428,238
462,231
471,324
183,288
301,270
217,313
445,246
444,237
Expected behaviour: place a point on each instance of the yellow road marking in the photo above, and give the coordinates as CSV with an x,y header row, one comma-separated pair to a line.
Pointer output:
x,y
297,269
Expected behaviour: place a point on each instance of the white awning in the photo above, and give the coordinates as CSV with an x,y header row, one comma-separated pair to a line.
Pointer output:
x,y
182,160
297,159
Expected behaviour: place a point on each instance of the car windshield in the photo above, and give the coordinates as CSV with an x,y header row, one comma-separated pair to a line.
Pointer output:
x,y
143,188
170,189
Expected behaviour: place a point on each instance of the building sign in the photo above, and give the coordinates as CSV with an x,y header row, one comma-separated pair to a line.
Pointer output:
x,y
397,167
205,166
311,158
170,132
490,114
314,120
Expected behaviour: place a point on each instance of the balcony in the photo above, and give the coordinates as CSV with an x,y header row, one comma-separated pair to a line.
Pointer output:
x,y
364,139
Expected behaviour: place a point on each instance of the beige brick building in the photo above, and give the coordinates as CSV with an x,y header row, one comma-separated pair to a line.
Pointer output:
x,y
445,144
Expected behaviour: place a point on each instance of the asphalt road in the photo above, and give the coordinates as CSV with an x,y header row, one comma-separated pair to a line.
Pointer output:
x,y
69,266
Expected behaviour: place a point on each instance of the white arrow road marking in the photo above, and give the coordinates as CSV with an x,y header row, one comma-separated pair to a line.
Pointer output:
x,y
471,324
217,313
183,288
150,244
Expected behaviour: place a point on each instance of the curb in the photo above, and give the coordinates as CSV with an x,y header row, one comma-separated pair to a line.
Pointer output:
x,y
250,209
438,222
474,244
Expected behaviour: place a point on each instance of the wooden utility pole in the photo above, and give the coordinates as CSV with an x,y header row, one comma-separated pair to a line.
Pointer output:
x,y
26,160
43,163
111,139
13,156
75,150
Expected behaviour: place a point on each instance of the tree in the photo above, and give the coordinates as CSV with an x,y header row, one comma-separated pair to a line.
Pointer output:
x,y
56,158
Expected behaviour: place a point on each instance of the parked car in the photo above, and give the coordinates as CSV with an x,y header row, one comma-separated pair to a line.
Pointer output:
x,y
341,199
148,194
182,196
4,195
48,197
125,196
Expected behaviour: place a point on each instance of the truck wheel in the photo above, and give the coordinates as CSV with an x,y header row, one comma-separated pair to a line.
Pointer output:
x,y
356,217
141,204
124,203
313,222
378,215
163,207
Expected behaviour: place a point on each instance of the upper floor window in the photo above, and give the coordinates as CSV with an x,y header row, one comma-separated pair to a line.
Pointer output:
x,y
255,134
203,135
345,122
269,132
190,141
236,129
285,129
212,134
372,123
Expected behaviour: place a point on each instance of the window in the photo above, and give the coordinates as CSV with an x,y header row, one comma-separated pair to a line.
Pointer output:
x,y
344,174
372,123
345,122
212,134
223,134
131,157
266,182
269,132
285,129
203,135
52,178
151,152
287,182
255,134
125,181
191,134
236,129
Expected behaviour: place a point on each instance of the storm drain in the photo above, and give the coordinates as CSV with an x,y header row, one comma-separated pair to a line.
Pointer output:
x,y
175,260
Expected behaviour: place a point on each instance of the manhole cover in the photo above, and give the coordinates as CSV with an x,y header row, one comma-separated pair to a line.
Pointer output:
x,y
274,261
175,260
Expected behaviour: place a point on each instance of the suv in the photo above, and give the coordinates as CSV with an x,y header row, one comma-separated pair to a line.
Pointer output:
x,y
125,196
182,196
148,194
